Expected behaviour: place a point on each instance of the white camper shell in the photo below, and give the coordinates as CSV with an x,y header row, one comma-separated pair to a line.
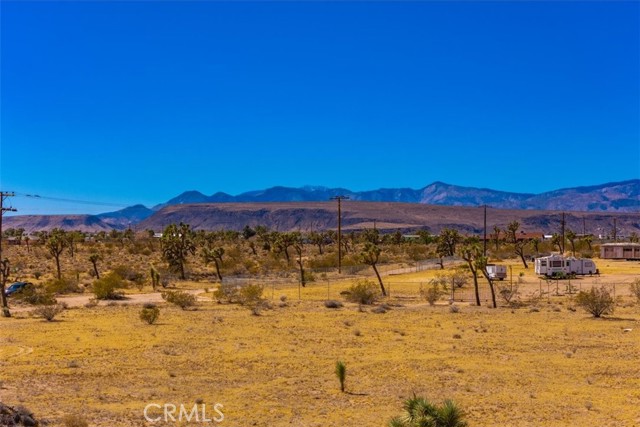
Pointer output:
x,y
554,265
497,271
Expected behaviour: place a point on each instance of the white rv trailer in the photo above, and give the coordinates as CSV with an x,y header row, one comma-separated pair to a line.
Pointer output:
x,y
497,271
554,265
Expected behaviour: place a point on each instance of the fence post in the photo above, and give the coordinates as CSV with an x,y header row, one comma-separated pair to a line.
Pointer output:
x,y
540,283
328,289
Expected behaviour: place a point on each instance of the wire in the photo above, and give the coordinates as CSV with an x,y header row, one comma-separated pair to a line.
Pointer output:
x,y
57,199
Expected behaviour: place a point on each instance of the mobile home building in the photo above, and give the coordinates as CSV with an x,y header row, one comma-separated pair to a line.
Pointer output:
x,y
629,251
554,265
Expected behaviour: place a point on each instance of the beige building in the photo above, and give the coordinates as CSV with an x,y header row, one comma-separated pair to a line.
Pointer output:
x,y
620,251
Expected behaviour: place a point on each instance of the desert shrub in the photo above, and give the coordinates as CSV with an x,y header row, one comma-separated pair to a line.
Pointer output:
x,y
48,312
635,289
309,276
362,292
182,299
107,287
596,301
508,292
74,421
227,292
35,296
459,278
436,288
61,286
128,273
251,294
149,313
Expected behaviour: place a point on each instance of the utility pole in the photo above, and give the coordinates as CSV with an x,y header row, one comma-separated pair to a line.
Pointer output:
x,y
484,253
340,199
4,264
563,222
615,229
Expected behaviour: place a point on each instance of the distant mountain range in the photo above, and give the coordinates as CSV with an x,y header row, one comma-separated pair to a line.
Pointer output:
x,y
612,197
616,197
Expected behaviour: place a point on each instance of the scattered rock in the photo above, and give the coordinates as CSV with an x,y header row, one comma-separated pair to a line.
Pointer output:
x,y
18,416
625,330
332,304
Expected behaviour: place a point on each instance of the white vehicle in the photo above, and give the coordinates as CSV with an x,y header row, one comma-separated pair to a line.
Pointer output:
x,y
554,265
497,271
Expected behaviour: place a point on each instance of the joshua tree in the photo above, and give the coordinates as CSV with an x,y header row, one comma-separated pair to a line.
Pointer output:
x,y
215,255
425,236
177,244
298,245
55,244
470,252
518,245
370,256
4,276
447,241
319,239
571,237
94,258
496,237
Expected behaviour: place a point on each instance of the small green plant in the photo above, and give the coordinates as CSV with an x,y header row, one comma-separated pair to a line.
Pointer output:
x,y
341,373
149,313
48,312
107,287
182,299
362,292
596,301
420,412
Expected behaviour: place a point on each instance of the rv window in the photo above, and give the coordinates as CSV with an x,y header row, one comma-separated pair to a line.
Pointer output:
x,y
556,263
543,263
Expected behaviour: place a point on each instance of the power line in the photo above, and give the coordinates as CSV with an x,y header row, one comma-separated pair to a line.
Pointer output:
x,y
82,202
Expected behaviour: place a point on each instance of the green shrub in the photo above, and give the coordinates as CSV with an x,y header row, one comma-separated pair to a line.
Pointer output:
x,y
107,287
182,299
250,294
363,292
149,313
48,312
227,292
420,412
35,296
61,286
597,301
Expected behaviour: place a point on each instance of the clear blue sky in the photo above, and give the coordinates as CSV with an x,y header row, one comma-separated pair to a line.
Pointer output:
x,y
136,102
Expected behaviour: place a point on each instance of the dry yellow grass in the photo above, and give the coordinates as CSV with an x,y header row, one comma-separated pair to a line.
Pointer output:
x,y
508,367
